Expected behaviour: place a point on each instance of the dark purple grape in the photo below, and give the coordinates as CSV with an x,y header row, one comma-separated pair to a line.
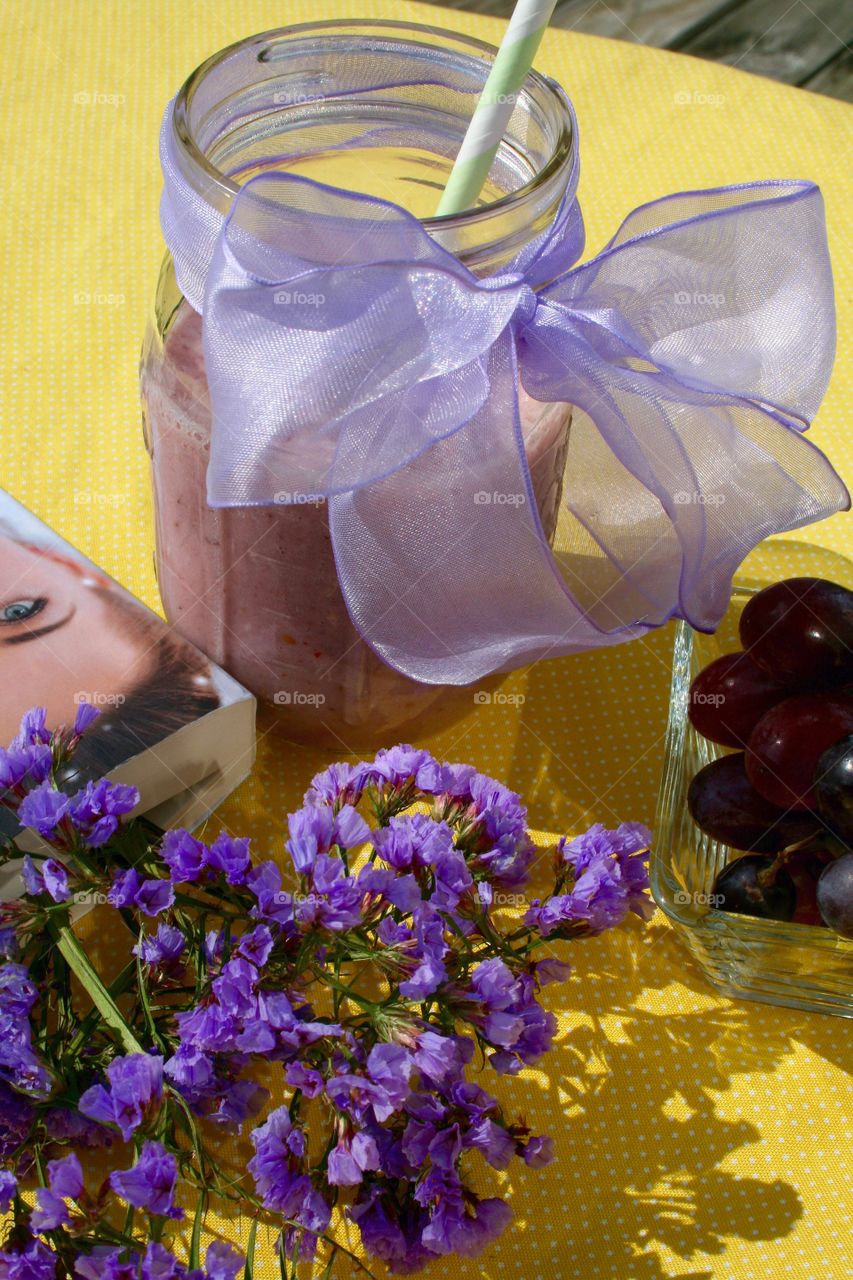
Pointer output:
x,y
724,804
801,631
740,888
833,787
835,895
729,697
785,746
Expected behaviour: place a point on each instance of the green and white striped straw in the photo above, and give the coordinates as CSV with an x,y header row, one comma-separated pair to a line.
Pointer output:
x,y
496,103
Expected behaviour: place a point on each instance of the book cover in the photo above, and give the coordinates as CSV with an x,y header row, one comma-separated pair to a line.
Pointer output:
x,y
172,723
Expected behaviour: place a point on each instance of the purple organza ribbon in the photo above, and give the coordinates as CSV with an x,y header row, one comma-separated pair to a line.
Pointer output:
x,y
350,356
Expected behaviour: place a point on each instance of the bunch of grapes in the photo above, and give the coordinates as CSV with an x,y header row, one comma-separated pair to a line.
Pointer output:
x,y
784,795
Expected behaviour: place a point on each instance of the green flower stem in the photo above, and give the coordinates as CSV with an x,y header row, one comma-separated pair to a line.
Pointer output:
x,y
73,952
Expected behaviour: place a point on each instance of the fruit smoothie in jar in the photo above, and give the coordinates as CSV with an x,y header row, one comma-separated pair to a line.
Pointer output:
x,y
256,588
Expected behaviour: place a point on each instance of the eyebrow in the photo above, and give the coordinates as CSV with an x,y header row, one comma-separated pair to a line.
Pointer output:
x,y
40,631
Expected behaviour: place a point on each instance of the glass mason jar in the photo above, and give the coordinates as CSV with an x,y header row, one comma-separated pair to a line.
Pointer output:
x,y
256,588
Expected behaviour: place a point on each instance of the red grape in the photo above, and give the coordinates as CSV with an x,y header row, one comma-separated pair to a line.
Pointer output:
x,y
833,786
785,746
801,631
724,804
835,895
729,697
740,888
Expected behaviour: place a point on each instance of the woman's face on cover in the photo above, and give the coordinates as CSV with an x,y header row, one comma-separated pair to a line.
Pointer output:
x,y
60,639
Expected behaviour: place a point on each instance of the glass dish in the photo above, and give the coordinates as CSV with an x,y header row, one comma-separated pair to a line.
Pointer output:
x,y
799,965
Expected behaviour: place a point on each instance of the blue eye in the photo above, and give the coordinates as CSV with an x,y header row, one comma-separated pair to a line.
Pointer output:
x,y
21,610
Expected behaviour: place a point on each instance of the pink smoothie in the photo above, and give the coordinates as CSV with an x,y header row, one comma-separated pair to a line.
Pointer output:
x,y
256,588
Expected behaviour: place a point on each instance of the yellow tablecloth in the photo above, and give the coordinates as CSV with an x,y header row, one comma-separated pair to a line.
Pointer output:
x,y
696,1137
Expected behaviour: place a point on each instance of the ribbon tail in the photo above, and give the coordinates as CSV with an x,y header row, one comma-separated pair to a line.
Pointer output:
x,y
444,565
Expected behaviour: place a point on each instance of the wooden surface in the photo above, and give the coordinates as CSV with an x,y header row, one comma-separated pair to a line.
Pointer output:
x,y
802,43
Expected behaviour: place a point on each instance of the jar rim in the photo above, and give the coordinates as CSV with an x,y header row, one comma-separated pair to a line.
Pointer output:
x,y
563,156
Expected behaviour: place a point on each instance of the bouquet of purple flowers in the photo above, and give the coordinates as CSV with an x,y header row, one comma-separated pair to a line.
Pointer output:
x,y
332,1020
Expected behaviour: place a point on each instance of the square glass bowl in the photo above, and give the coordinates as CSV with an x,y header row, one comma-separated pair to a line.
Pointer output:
x,y
800,965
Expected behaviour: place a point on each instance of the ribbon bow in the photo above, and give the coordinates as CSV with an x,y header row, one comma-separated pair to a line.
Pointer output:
x,y
352,359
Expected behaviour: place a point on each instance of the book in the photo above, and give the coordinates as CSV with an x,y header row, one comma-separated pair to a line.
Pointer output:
x,y
172,723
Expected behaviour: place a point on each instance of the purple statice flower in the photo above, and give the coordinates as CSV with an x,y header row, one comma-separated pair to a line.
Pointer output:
x,y
8,942
32,1260
43,809
441,1059
381,1090
277,1163
20,1066
65,1181
124,888
50,878
412,840
502,820
23,764
85,718
193,1073
135,1086
538,1152
65,1124
65,1177
512,1019
492,1141
551,970
256,945
452,879
465,1225
18,992
106,1263
404,763
236,988
185,856
602,859
159,1264
150,1183
154,896
391,1232
8,1189
229,855
240,1101
305,1078
95,811
316,828
162,950
339,784
426,955
16,1119
221,1262
351,1158
33,728
336,898
274,903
